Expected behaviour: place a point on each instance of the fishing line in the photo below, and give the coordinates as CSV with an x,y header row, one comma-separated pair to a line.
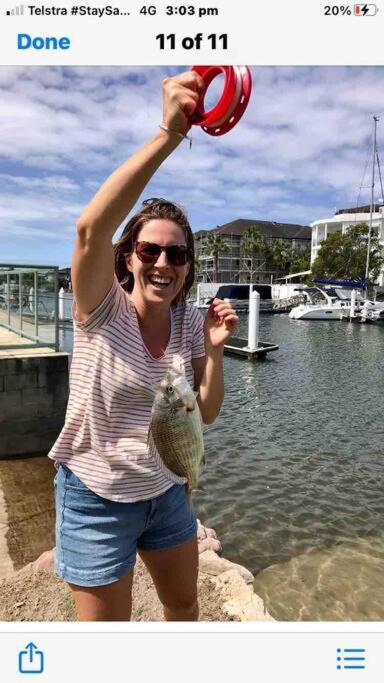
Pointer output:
x,y
379,167
364,172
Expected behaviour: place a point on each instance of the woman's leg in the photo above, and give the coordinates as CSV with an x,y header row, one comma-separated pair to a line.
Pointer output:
x,y
112,602
174,573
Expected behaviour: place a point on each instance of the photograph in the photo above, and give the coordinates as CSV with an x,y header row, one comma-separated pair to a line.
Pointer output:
x,y
191,343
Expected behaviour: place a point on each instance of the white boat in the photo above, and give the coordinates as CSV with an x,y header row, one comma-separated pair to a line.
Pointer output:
x,y
238,296
372,312
324,304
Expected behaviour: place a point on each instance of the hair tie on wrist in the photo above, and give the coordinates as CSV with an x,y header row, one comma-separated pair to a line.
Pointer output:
x,y
171,130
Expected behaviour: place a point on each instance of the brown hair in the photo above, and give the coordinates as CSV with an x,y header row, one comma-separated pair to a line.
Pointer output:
x,y
153,209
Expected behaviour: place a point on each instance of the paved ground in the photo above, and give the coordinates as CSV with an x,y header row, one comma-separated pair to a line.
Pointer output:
x,y
8,338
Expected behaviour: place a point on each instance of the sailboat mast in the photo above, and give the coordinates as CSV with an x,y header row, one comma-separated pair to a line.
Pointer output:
x,y
375,120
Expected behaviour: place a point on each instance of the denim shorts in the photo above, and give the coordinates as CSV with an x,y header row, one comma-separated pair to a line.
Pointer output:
x,y
96,538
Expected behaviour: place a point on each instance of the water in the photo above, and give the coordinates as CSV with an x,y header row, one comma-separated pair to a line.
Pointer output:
x,y
294,478
295,461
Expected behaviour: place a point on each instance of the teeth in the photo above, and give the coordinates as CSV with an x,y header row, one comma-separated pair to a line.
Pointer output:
x,y
160,280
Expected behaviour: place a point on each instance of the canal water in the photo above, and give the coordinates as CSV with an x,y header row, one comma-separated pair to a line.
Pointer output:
x,y
293,483
294,477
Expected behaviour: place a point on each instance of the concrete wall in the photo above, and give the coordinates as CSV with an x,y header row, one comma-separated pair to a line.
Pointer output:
x,y
33,400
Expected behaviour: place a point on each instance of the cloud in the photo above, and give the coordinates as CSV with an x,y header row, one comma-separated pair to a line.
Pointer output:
x,y
299,151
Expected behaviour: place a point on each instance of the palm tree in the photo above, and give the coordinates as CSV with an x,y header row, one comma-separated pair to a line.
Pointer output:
x,y
214,245
253,243
282,255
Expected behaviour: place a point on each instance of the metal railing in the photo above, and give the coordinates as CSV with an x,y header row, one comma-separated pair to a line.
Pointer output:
x,y
29,305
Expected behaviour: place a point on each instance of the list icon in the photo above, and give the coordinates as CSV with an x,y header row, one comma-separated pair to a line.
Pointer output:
x,y
350,658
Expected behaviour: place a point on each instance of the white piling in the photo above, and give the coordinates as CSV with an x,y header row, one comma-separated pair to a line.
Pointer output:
x,y
253,321
353,303
61,304
198,296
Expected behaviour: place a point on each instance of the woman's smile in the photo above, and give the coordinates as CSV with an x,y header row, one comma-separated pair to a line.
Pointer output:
x,y
159,280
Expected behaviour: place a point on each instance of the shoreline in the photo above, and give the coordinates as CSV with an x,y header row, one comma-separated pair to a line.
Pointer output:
x,y
225,590
31,591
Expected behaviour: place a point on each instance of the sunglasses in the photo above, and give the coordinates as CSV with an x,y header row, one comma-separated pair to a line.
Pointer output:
x,y
156,200
149,252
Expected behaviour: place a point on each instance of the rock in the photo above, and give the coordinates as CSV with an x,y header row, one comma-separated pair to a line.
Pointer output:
x,y
209,544
211,533
210,563
207,539
201,532
239,600
205,531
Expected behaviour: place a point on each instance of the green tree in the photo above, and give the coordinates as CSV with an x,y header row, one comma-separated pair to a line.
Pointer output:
x,y
254,244
344,256
301,261
214,246
281,254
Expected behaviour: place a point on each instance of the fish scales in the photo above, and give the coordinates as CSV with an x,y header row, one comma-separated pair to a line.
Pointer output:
x,y
176,427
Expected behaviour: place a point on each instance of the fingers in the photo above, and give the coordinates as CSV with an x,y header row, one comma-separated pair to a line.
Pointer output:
x,y
222,310
187,100
231,319
188,79
181,96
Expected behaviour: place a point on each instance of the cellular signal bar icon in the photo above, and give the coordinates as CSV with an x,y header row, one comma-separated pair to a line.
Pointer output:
x,y
365,10
16,11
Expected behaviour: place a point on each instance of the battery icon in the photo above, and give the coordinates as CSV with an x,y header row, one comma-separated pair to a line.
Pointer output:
x,y
365,10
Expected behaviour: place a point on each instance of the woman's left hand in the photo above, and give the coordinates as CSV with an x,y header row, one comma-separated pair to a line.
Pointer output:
x,y
220,323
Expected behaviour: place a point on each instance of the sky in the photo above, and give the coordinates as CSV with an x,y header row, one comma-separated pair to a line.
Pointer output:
x,y
298,153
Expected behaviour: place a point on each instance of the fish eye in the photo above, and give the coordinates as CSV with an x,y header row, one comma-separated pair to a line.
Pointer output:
x,y
170,389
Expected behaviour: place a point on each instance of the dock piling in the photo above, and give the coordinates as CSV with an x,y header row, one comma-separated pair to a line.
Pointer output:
x,y
253,320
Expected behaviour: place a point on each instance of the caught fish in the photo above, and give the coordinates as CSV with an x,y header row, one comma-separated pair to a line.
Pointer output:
x,y
176,427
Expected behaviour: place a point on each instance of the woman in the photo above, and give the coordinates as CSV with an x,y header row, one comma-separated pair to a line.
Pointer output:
x,y
113,496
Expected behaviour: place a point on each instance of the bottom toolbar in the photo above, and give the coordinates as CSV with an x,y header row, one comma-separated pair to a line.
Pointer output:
x,y
226,656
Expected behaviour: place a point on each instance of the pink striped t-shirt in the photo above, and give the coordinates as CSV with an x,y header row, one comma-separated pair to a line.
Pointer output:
x,y
104,438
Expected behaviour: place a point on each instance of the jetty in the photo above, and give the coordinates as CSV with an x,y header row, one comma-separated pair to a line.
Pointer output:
x,y
33,373
251,348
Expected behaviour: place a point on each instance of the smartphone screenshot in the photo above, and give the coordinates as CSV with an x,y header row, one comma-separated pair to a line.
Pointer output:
x,y
191,341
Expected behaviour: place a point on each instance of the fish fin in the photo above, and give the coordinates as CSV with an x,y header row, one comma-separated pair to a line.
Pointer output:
x,y
190,492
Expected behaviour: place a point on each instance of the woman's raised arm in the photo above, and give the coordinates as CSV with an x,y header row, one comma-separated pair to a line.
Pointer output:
x,y
93,256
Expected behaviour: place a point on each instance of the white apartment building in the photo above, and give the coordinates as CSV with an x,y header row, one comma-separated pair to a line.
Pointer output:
x,y
341,221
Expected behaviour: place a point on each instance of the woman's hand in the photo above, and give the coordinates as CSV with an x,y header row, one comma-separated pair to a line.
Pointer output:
x,y
220,323
181,95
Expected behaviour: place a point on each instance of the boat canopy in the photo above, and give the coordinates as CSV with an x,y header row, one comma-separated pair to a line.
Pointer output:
x,y
242,291
351,284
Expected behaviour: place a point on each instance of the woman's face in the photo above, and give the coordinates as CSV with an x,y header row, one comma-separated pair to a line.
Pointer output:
x,y
159,281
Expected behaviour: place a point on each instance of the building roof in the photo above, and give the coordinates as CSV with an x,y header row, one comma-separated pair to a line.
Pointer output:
x,y
360,209
268,228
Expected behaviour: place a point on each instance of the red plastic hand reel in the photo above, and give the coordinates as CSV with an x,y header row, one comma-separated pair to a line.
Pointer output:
x,y
233,102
